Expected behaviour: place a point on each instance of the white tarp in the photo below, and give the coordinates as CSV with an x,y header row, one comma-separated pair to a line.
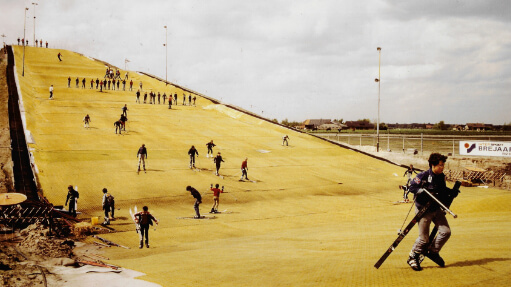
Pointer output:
x,y
484,148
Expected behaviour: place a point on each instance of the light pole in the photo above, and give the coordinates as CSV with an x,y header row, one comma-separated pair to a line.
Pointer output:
x,y
378,80
34,23
24,25
165,54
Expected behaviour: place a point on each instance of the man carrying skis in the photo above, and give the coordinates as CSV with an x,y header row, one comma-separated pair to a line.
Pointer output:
x,y
198,200
433,180
192,152
144,219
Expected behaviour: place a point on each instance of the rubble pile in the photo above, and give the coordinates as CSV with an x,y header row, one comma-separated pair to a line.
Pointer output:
x,y
37,242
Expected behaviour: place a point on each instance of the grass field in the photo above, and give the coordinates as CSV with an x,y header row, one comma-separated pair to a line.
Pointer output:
x,y
316,215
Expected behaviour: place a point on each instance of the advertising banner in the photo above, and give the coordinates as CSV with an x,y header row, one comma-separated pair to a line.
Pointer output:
x,y
482,148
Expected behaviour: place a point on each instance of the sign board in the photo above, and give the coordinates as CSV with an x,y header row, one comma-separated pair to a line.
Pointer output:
x,y
482,148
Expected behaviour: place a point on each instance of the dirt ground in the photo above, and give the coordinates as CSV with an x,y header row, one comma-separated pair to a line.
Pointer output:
x,y
5,138
313,214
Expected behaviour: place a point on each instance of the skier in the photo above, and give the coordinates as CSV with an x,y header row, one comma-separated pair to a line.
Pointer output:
x,y
138,97
69,82
123,120
216,198
210,146
141,155
285,140
51,92
72,197
244,169
198,200
409,172
118,126
406,191
144,219
218,159
108,204
432,180
59,55
86,121
125,110
192,152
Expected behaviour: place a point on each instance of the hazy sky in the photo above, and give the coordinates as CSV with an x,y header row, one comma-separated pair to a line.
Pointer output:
x,y
440,60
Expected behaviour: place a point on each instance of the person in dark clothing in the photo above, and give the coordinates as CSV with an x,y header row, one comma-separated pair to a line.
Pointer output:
x,y
72,198
83,83
218,159
192,152
77,81
97,83
170,102
108,204
175,99
69,82
59,56
432,180
144,219
123,120
198,200
210,146
159,97
118,126
141,155
164,96
138,97
145,97
125,110
409,172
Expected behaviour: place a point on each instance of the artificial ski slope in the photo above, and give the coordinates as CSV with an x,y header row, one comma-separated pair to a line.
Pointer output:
x,y
314,215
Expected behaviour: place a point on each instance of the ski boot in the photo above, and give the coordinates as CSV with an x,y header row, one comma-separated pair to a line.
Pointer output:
x,y
212,210
413,261
141,245
435,257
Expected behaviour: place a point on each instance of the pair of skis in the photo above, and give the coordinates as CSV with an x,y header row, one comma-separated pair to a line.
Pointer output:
x,y
137,226
416,218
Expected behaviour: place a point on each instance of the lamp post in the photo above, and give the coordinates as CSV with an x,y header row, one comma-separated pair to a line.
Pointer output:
x,y
34,23
378,80
165,54
24,30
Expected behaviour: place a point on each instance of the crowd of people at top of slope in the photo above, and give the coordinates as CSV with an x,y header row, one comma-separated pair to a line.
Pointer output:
x,y
37,42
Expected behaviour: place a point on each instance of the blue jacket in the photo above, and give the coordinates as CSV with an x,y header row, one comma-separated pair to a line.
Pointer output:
x,y
434,183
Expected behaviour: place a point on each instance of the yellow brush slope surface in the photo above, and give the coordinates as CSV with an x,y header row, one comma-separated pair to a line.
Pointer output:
x,y
314,214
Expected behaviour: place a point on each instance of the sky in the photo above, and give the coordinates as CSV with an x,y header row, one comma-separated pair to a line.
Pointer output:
x,y
440,60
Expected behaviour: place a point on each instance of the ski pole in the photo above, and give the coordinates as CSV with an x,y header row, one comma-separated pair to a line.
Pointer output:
x,y
440,203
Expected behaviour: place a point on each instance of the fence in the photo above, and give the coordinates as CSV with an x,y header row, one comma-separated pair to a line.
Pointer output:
x,y
421,144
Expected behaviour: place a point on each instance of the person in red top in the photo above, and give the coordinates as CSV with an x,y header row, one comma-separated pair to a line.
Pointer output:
x,y
216,198
244,169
